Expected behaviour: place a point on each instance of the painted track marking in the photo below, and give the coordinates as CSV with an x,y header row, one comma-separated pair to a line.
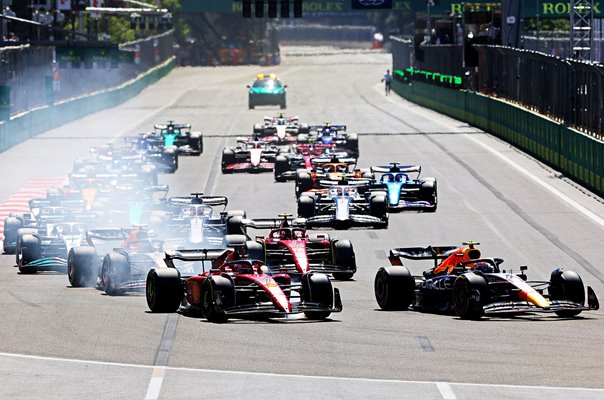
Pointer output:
x,y
446,391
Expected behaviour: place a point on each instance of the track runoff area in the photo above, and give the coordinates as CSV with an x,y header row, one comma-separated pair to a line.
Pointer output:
x,y
60,342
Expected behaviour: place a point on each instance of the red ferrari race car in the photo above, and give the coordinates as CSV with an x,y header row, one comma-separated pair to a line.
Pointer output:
x,y
465,283
235,287
289,248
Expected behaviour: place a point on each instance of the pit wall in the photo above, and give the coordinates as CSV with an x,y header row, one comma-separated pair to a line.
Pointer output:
x,y
578,156
28,124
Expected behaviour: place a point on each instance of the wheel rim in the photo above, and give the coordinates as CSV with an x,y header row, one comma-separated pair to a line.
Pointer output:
x,y
151,292
461,298
70,271
380,289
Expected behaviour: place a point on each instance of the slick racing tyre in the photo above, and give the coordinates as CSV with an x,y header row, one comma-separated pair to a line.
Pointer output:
x,y
11,225
303,182
28,250
217,294
306,207
344,256
394,288
258,129
428,192
255,251
317,288
115,271
163,290
281,166
81,266
228,157
470,295
378,206
196,142
566,285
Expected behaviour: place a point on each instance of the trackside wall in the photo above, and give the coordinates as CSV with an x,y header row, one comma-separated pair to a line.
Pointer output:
x,y
23,126
578,156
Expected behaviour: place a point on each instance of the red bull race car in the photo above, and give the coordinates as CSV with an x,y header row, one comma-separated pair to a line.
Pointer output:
x,y
465,283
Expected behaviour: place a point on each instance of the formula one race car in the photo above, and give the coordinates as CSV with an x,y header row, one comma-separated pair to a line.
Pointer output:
x,y
266,90
122,268
329,133
232,287
342,207
187,142
289,247
250,156
466,284
280,129
404,192
47,250
191,222
328,171
301,158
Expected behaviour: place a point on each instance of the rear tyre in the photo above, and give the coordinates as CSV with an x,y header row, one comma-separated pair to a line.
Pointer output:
x,y
255,251
428,192
235,225
303,182
163,290
306,207
470,294
28,251
115,271
217,293
378,206
394,288
317,288
344,257
567,285
228,157
281,166
11,225
81,262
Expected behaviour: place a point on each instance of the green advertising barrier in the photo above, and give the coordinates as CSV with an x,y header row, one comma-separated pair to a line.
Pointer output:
x,y
578,156
33,122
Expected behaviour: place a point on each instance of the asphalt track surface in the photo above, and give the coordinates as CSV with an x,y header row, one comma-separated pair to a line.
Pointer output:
x,y
60,342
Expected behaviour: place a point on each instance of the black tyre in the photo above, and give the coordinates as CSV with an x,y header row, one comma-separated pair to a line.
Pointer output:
x,y
82,266
115,271
306,207
378,206
11,225
394,288
255,251
235,225
228,157
281,166
344,257
28,250
470,294
163,290
428,192
217,294
317,288
196,142
352,145
259,129
283,105
566,285
303,182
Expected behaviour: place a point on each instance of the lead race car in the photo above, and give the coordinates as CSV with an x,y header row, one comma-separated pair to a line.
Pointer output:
x,y
405,193
235,287
464,283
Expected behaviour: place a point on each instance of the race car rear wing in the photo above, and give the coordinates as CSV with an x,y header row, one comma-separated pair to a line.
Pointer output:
x,y
108,233
273,223
200,199
215,256
421,253
330,126
176,126
395,167
36,204
333,160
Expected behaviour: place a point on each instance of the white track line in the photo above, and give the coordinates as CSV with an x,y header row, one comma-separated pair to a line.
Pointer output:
x,y
446,391
157,379
273,375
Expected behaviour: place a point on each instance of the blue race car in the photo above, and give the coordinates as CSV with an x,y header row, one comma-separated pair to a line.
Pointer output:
x,y
404,192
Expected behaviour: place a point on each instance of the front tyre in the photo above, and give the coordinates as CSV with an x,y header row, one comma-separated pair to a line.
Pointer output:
x,y
81,263
470,294
217,293
567,285
394,288
317,289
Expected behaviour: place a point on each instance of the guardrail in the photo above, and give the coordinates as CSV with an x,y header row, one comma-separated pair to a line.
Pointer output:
x,y
578,156
30,123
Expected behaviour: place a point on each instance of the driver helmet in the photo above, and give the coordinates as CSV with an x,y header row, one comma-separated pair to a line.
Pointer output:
x,y
484,267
